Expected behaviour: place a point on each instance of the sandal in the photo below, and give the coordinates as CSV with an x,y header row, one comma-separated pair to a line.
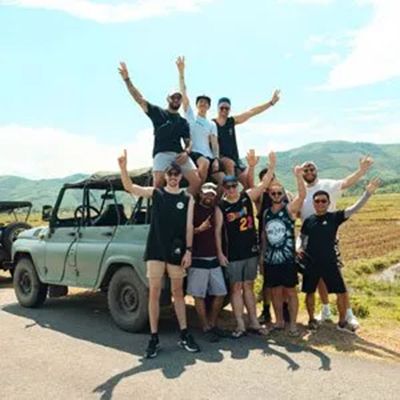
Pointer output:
x,y
258,331
236,334
294,333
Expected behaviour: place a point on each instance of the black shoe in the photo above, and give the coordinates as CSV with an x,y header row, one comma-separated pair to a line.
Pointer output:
x,y
265,317
188,343
222,333
152,348
286,315
211,336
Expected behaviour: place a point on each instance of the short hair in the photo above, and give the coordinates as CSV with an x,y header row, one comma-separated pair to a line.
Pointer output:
x,y
203,97
262,173
321,193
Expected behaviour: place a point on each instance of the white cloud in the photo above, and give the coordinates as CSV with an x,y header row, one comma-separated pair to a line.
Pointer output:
x,y
50,153
112,11
375,50
326,59
312,2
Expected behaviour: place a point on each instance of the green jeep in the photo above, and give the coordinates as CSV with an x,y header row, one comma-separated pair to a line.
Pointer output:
x,y
96,240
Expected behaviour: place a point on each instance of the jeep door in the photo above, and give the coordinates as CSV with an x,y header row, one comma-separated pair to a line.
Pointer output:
x,y
60,258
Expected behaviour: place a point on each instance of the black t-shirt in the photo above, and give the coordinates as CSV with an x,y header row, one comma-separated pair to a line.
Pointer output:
x,y
169,129
167,236
227,139
240,228
322,233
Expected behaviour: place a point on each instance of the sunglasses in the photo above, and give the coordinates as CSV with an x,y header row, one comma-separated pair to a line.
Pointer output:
x,y
173,173
276,193
224,108
231,186
305,170
320,201
176,97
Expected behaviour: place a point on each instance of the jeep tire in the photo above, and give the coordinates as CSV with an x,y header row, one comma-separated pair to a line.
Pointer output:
x,y
29,290
10,233
128,300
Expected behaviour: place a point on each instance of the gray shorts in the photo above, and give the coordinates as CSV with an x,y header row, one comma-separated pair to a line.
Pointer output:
x,y
162,160
243,270
203,281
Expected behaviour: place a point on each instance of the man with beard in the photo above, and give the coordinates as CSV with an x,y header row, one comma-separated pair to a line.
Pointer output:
x,y
168,249
226,124
334,188
242,247
278,250
169,129
205,149
318,238
205,276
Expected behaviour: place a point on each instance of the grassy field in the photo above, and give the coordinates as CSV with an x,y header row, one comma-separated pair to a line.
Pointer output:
x,y
370,243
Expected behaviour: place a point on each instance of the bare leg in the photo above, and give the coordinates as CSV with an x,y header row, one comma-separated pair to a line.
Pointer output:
x,y
179,301
244,178
154,303
229,165
293,301
158,178
341,305
216,308
277,302
194,180
237,304
310,305
201,312
323,292
250,302
203,164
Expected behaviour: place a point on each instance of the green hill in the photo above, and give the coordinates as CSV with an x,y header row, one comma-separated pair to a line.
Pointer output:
x,y
335,159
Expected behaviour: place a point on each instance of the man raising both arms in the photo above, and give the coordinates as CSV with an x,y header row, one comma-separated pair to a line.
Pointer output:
x,y
169,129
228,148
205,149
334,188
168,249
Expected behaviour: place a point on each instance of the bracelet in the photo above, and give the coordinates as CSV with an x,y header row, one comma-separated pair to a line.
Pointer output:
x,y
189,248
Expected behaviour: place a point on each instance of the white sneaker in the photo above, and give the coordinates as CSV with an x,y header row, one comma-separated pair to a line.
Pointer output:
x,y
352,320
324,315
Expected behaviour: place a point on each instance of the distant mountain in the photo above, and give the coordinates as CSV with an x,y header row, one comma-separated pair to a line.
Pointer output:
x,y
335,159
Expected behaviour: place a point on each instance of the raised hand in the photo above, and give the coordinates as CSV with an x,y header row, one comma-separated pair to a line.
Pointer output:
x,y
272,159
180,63
373,185
123,70
298,170
123,160
252,159
276,96
366,163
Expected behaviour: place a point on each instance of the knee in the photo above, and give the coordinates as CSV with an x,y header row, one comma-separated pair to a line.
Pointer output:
x,y
229,165
237,287
154,292
177,293
203,164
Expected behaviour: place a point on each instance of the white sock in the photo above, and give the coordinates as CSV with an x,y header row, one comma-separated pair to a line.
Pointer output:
x,y
326,308
349,313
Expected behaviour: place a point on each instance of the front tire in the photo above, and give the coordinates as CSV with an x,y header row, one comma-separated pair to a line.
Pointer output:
x,y
29,290
128,300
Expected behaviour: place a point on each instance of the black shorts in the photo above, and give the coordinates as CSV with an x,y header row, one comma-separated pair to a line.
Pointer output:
x,y
280,275
195,156
329,273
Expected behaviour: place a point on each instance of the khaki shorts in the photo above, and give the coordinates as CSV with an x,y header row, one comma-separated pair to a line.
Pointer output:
x,y
157,269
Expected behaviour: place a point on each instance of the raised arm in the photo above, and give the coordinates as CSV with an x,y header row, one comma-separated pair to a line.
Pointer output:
x,y
219,223
187,258
365,164
137,96
369,191
239,119
252,161
180,63
256,192
136,190
296,204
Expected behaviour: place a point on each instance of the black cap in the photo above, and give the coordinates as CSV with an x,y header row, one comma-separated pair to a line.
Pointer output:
x,y
224,100
174,166
203,97
229,179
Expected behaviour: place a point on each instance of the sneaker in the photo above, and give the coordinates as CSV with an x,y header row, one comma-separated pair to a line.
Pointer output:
x,y
188,343
346,327
152,348
211,336
325,315
352,320
286,314
222,333
265,317
313,325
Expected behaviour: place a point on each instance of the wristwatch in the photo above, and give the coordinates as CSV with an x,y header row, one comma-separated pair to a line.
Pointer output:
x,y
189,248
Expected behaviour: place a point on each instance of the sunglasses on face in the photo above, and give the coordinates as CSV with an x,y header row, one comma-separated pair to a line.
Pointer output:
x,y
224,108
173,173
305,170
176,97
276,193
231,186
320,201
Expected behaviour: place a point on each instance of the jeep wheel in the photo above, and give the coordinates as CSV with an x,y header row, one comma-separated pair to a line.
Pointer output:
x,y
29,290
127,300
11,232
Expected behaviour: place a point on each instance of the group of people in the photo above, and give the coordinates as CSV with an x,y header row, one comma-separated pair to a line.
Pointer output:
x,y
224,228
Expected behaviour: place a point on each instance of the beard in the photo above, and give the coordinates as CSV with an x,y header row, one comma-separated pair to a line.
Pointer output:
x,y
174,106
310,179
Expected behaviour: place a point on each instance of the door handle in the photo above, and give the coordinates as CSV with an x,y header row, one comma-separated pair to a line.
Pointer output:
x,y
72,234
107,233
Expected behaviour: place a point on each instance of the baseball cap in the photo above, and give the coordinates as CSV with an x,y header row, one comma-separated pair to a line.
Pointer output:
x,y
309,163
174,166
174,91
203,97
224,100
229,179
209,187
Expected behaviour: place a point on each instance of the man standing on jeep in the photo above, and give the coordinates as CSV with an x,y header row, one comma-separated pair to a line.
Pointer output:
x,y
169,247
169,129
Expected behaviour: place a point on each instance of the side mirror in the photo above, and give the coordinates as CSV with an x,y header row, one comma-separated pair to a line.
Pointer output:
x,y
47,212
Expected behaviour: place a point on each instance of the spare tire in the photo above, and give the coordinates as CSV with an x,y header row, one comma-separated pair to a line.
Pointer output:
x,y
11,232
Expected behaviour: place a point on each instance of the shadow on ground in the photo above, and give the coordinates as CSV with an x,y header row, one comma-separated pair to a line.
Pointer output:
x,y
85,316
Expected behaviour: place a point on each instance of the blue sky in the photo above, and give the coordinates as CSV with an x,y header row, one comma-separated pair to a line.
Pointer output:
x,y
64,108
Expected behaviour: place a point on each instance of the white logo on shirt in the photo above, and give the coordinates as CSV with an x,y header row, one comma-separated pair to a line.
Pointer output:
x,y
180,205
276,231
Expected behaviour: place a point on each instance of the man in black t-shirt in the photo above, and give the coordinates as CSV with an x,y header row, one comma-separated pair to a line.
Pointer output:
x,y
170,129
318,237
228,148
168,249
